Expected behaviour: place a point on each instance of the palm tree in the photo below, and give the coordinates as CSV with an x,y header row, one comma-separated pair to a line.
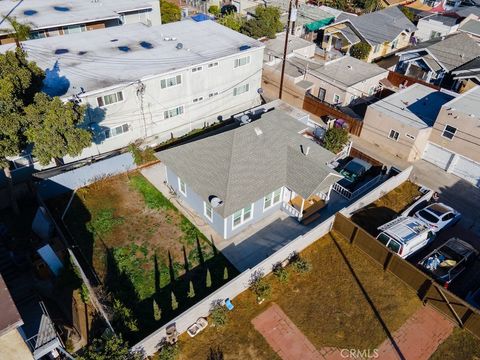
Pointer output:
x,y
21,32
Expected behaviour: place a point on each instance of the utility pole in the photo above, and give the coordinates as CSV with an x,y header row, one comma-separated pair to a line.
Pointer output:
x,y
286,45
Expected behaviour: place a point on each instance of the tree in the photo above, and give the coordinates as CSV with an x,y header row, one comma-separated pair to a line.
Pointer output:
x,y
208,282
157,312
233,21
174,302
191,291
168,352
20,79
225,273
335,139
266,23
53,128
408,13
373,5
360,50
21,32
170,12
109,348
214,10
123,317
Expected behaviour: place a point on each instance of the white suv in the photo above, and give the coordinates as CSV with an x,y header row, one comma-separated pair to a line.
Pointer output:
x,y
439,216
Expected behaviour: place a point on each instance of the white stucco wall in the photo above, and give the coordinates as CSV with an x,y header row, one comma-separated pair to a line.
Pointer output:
x,y
425,28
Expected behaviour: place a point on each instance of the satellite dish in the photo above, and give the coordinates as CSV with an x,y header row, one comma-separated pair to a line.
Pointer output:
x,y
215,201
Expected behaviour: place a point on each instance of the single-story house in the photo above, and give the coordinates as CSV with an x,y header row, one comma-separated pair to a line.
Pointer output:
x,y
240,176
434,60
454,143
386,31
435,26
467,75
401,123
471,27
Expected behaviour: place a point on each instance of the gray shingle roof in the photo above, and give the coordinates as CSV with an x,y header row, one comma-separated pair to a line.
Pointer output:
x,y
471,26
380,26
241,167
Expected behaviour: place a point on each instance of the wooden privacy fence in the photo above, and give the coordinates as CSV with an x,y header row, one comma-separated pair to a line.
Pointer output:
x,y
458,310
320,108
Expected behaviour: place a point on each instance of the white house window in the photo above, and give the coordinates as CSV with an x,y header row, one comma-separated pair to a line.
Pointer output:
x,y
115,131
393,135
336,99
449,132
410,136
272,199
171,81
242,61
110,99
198,99
73,29
214,64
173,112
435,34
182,187
242,216
208,211
213,94
196,69
241,89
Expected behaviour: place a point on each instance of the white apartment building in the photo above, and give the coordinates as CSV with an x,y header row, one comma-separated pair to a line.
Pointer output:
x,y
150,83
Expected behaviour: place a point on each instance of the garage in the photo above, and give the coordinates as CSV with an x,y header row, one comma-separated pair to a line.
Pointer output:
x,y
467,169
437,155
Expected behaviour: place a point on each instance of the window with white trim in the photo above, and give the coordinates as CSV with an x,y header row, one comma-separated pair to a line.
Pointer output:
x,y
242,61
182,187
213,94
449,132
242,216
176,111
393,135
115,131
214,64
198,99
197,69
110,99
272,199
171,81
208,210
241,89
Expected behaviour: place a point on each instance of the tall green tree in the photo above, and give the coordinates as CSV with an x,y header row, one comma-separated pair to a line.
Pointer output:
x,y
53,128
20,32
266,23
233,21
20,79
107,349
373,5
170,12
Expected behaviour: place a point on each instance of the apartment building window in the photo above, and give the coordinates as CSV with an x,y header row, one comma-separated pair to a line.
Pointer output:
x,y
73,29
198,99
173,112
182,187
449,132
197,69
115,131
242,61
241,89
41,34
393,135
208,211
171,81
410,136
242,216
110,99
213,94
214,64
272,199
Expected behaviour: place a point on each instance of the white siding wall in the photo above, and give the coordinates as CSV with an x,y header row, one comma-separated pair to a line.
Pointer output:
x,y
221,79
426,27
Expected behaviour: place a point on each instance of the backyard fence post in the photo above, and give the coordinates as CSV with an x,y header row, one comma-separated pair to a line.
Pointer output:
x,y
354,234
388,261
460,322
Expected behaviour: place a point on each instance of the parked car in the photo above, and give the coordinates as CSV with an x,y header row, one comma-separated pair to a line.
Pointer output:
x,y
439,216
355,169
405,235
473,297
448,261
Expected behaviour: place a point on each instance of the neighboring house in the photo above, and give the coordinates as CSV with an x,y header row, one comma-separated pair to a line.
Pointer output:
x,y
401,123
386,31
59,17
434,60
240,176
435,26
454,144
440,6
274,48
309,19
471,27
389,3
142,82
467,75
12,344
343,81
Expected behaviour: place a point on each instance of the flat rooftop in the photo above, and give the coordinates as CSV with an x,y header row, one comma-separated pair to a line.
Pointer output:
x,y
467,102
416,106
276,46
49,13
94,60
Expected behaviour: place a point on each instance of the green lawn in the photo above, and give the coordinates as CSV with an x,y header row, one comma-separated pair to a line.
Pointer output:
x,y
143,250
326,304
461,345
